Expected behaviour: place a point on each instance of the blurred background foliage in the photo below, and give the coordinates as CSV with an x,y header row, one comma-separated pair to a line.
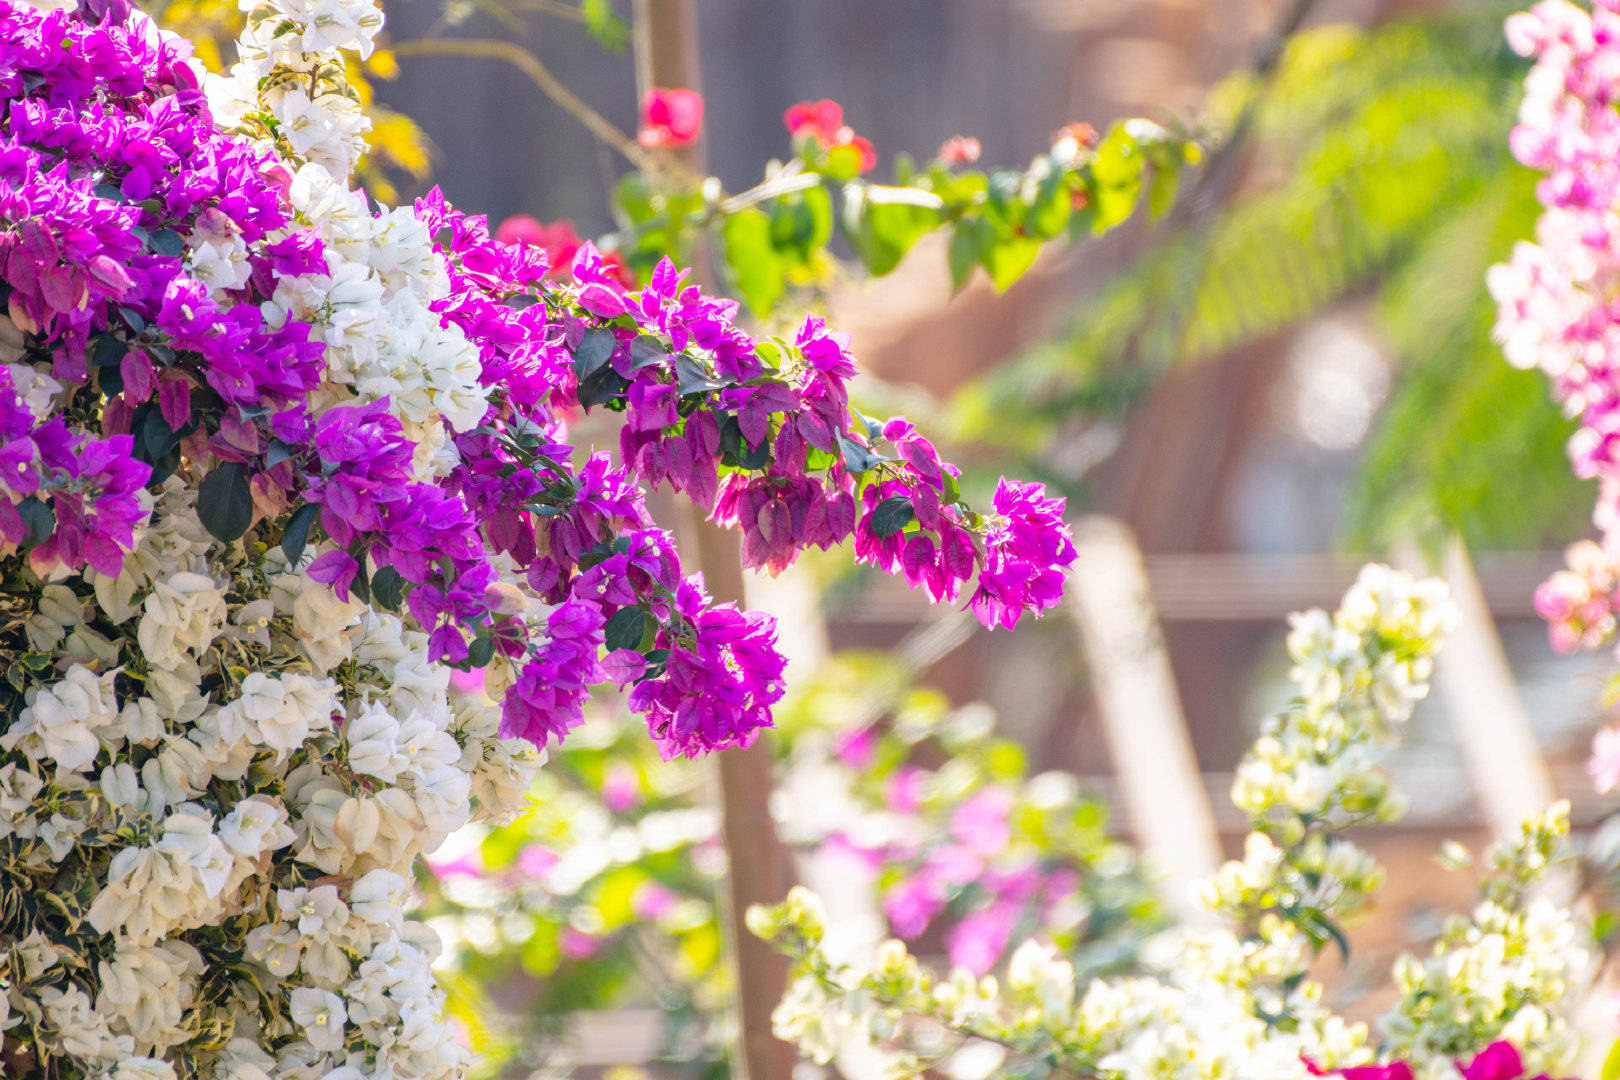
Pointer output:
x,y
1376,166
602,895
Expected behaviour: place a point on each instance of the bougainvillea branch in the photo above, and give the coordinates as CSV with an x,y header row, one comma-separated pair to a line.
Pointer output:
x,y
277,460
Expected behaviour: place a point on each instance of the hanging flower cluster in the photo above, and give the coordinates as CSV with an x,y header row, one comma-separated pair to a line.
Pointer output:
x,y
1238,1002
273,462
1559,308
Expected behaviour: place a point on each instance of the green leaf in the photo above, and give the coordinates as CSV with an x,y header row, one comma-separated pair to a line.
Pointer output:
x,y
891,515
480,651
1008,259
634,196
594,351
883,223
109,351
625,629
969,241
38,519
757,271
1163,185
277,453
225,502
295,534
604,24
167,242
645,351
600,387
801,224
388,588
692,378
1118,176
1050,212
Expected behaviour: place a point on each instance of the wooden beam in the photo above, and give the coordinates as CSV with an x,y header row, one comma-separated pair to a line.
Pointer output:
x,y
1125,656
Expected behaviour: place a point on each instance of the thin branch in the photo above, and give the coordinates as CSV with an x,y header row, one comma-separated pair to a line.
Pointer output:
x,y
548,7
526,62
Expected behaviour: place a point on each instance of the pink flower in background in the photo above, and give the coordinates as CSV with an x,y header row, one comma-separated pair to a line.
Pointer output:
x,y
467,864
912,904
652,901
621,787
537,861
854,748
982,822
865,861
670,118
1604,764
904,791
978,941
577,944
959,150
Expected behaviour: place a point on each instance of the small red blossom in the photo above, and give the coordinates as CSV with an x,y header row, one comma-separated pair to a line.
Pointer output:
x,y
823,121
670,118
1082,133
959,150
820,120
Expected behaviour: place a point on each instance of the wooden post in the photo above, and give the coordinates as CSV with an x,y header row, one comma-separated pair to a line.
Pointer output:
x,y
1135,689
757,865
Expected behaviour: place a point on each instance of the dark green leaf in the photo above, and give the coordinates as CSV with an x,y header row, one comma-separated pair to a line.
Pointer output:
x,y
295,534
277,453
388,588
225,501
594,351
625,629
891,515
601,386
361,585
480,651
38,518
109,350
646,350
691,378
167,242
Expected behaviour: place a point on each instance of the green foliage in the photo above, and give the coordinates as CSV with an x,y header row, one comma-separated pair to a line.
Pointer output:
x,y
1376,157
778,234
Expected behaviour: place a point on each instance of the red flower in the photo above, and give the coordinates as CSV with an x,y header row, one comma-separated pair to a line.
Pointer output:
x,y
823,121
818,119
670,118
560,243
1082,133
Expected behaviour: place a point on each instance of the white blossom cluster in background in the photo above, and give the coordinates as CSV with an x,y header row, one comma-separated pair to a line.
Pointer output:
x,y
1236,1003
233,866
